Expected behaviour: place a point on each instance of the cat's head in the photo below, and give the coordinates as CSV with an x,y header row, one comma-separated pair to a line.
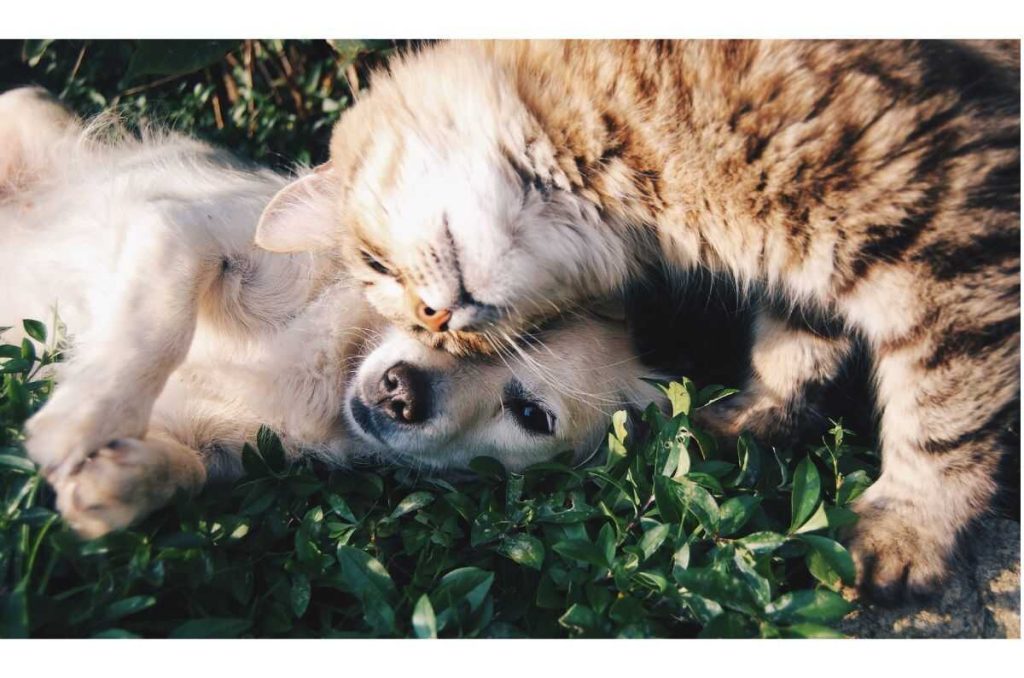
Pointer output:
x,y
449,206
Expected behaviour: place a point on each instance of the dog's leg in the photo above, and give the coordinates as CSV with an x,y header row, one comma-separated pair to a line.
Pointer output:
x,y
125,480
141,334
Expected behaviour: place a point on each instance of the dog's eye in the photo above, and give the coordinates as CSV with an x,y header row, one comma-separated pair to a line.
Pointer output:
x,y
532,416
374,263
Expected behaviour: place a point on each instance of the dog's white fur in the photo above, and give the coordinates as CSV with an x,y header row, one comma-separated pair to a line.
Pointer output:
x,y
185,337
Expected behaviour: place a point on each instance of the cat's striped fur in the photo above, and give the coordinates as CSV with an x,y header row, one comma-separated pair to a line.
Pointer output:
x,y
875,184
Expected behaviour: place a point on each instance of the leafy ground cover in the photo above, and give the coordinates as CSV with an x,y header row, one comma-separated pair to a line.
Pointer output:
x,y
673,535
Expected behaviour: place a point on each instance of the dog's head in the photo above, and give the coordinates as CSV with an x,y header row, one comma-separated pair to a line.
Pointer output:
x,y
419,406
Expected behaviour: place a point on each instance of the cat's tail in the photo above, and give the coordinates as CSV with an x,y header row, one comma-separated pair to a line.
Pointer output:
x,y
33,123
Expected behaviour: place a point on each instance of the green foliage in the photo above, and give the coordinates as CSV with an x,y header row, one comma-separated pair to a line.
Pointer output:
x,y
669,537
271,101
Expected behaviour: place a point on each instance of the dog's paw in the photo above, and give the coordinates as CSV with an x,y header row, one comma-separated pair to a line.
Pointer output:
x,y
116,485
76,423
899,554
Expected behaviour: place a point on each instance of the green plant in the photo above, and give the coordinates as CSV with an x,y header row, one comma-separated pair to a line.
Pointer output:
x,y
672,536
271,101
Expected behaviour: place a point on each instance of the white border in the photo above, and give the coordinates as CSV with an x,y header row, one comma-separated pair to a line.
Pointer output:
x,y
514,658
511,18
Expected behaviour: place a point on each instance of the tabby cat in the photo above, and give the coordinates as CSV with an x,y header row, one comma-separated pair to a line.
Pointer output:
x,y
482,187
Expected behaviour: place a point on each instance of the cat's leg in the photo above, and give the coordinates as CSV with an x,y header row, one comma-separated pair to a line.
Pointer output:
x,y
125,480
949,392
141,333
790,363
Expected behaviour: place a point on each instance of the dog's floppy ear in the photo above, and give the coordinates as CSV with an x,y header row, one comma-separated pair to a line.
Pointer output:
x,y
301,216
32,124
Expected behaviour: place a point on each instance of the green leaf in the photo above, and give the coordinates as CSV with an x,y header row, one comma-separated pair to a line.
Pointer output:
x,y
114,634
704,609
460,591
271,449
212,627
840,516
810,631
28,350
619,429
700,503
15,365
651,580
578,549
806,493
730,625
14,613
829,561
33,50
852,486
713,393
19,463
762,543
350,50
35,329
364,577
488,468
721,586
523,549
424,623
127,606
669,503
579,618
175,57
749,455
300,594
341,508
817,521
817,606
413,502
653,538
606,542
679,397
735,513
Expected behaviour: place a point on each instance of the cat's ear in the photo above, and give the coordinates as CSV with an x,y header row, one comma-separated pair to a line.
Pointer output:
x,y
301,216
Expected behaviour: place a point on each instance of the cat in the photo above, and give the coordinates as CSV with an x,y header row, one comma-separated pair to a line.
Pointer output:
x,y
479,187
185,338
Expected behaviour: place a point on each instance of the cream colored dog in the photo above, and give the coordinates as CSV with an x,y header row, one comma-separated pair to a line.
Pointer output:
x,y
185,338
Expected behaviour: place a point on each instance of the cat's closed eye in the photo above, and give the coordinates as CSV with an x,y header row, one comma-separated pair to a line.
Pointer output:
x,y
375,264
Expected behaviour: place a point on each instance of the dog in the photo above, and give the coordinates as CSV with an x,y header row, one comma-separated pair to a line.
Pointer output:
x,y
184,337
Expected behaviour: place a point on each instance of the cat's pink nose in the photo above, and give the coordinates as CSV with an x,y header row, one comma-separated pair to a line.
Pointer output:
x,y
433,319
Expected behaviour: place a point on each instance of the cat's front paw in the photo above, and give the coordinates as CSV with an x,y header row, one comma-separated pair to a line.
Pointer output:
x,y
900,555
117,485
762,416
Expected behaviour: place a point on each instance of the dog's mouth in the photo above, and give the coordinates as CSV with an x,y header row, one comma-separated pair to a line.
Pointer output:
x,y
360,419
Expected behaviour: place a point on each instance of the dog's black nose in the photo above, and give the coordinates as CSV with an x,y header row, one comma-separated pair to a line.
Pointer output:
x,y
405,394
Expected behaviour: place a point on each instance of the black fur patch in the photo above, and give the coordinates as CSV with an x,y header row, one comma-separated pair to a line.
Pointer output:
x,y
974,343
